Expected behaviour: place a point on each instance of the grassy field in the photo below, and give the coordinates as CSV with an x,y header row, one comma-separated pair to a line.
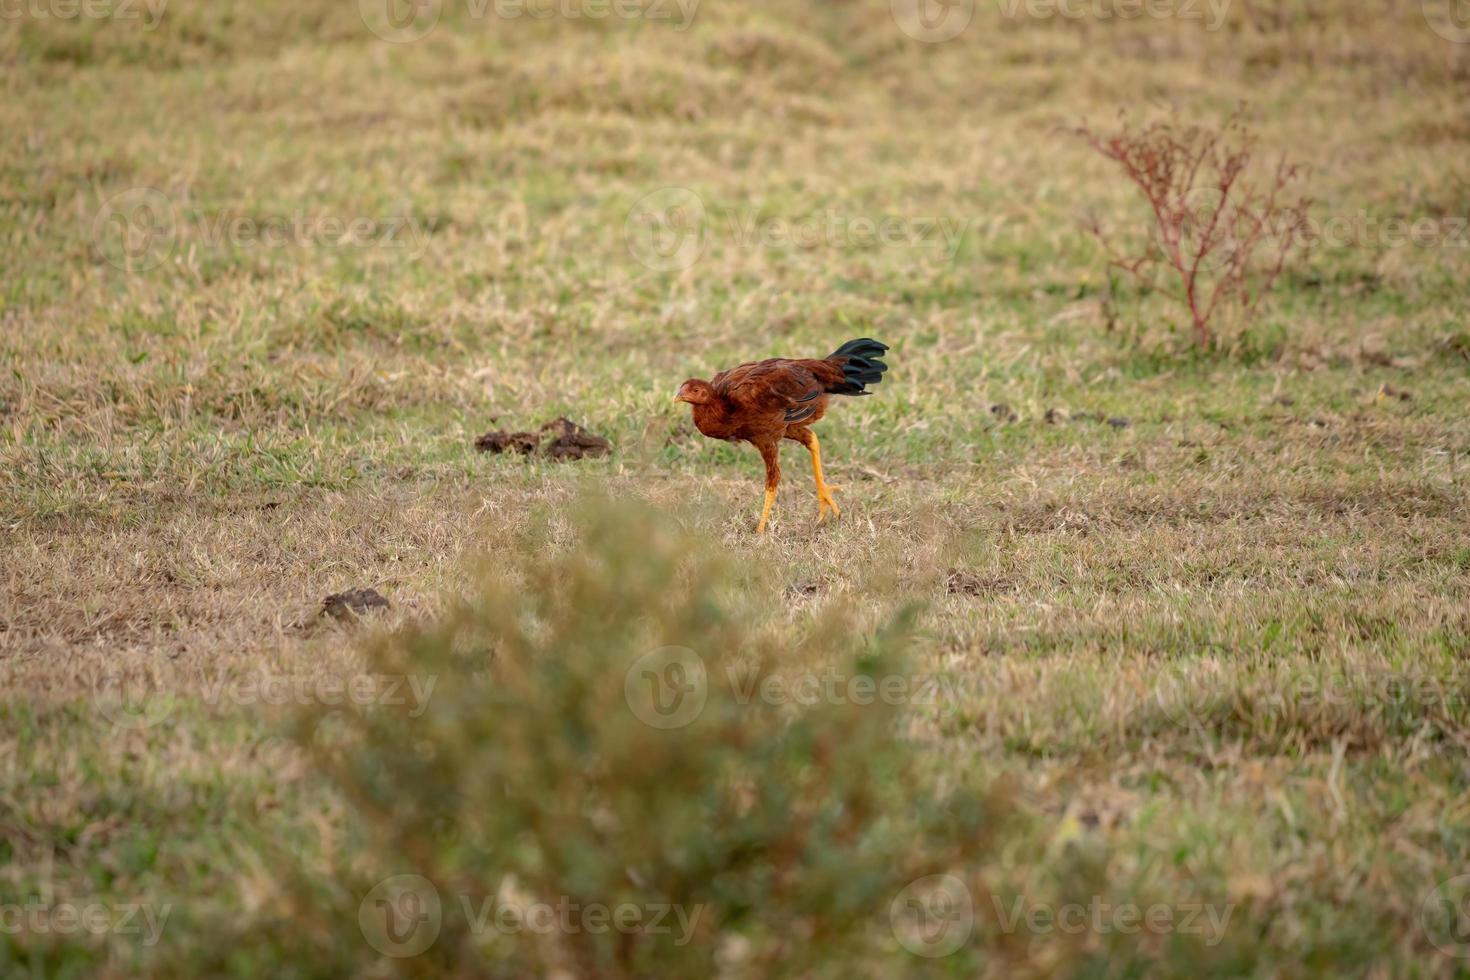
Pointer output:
x,y
1187,629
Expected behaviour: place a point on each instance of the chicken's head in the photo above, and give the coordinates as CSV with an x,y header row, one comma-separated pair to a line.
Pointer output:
x,y
695,392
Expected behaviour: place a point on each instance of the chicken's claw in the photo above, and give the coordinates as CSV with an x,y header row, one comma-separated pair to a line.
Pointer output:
x,y
766,510
825,501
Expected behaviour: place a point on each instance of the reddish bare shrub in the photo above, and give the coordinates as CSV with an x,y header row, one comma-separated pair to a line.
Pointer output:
x,y
1225,232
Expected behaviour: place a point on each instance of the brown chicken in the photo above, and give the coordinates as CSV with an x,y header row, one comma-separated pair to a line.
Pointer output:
x,y
766,401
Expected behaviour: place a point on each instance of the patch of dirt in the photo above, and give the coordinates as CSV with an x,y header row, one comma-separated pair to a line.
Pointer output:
x,y
571,441
350,605
1455,346
960,582
806,587
560,439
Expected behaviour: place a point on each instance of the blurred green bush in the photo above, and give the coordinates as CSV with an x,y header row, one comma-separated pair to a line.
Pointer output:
x,y
596,737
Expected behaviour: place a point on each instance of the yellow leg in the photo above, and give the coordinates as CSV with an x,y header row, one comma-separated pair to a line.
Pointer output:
x,y
824,489
766,510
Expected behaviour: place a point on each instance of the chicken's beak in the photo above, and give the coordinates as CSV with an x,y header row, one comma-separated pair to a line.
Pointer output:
x,y
678,399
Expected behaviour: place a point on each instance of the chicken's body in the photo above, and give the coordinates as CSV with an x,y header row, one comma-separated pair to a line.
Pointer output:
x,y
764,402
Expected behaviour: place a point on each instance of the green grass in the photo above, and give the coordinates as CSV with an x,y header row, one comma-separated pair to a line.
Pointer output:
x,y
1178,647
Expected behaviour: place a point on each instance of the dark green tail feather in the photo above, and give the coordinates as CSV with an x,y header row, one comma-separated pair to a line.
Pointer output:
x,y
863,365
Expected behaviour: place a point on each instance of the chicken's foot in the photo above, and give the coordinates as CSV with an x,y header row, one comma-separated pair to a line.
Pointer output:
x,y
766,510
824,489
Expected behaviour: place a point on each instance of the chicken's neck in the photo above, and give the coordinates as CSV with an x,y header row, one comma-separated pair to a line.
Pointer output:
x,y
713,420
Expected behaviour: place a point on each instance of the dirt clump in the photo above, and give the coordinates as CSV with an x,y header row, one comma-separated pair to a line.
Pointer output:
x,y
559,439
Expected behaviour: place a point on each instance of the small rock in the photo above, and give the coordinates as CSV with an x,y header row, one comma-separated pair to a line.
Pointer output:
x,y
563,427
1370,352
957,581
559,439
1456,344
573,441
805,587
524,443
350,605
577,447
